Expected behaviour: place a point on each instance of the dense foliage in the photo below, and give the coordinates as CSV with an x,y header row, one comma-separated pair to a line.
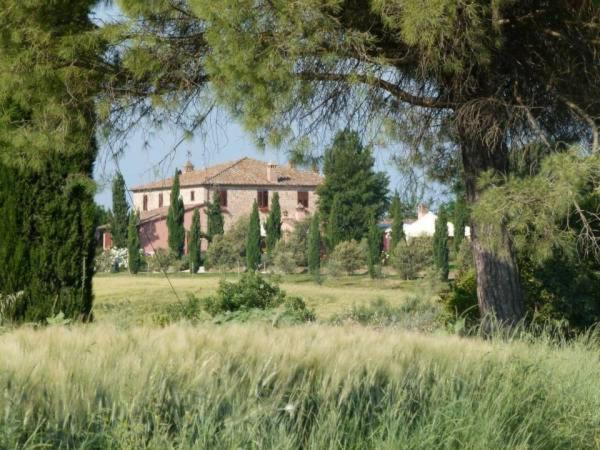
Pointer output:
x,y
228,251
397,221
215,222
413,257
441,258
273,224
194,242
347,257
120,212
175,217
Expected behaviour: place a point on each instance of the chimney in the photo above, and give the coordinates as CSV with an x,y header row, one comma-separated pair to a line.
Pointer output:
x,y
188,167
271,172
421,210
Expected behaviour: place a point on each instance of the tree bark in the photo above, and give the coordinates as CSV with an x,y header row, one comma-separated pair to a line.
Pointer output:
x,y
499,291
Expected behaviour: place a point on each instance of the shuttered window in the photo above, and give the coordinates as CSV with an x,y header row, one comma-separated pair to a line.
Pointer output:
x,y
223,198
263,199
303,198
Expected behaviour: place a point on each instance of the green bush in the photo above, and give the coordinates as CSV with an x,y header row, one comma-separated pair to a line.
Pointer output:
x,y
166,261
283,258
412,257
228,251
461,300
347,257
189,310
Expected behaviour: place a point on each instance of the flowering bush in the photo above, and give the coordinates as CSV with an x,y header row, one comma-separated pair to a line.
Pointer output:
x,y
112,260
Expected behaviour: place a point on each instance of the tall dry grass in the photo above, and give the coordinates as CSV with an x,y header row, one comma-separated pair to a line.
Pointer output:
x,y
313,386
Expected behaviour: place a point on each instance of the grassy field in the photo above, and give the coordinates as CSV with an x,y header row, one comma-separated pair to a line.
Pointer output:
x,y
125,299
126,382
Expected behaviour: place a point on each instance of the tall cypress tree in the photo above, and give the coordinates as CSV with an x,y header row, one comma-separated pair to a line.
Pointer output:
x,y
273,225
335,224
120,212
440,244
194,242
47,128
214,219
175,219
397,223
374,246
461,216
133,245
314,246
253,240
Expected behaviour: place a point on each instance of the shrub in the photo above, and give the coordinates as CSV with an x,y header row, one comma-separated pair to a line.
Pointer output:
x,y
461,300
412,257
348,257
112,260
283,258
166,261
189,310
228,251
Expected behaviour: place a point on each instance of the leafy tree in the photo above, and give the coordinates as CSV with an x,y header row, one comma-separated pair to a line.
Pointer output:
x,y
440,244
253,240
215,222
347,257
175,218
273,225
120,212
335,223
133,245
351,180
374,247
194,242
397,222
49,75
314,245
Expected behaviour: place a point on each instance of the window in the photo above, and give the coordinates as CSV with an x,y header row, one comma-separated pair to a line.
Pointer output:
x,y
160,200
192,196
223,199
303,198
263,199
145,203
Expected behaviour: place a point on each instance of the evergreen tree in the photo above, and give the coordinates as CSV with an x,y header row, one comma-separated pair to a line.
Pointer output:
x,y
253,240
133,244
314,246
374,247
194,242
215,223
48,97
461,217
350,176
175,218
120,212
395,204
273,225
440,244
335,224
397,222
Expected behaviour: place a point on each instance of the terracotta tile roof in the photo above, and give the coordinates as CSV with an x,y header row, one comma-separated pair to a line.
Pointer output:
x,y
161,213
243,172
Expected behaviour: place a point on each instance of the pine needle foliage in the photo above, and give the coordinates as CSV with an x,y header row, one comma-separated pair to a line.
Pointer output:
x,y
214,219
175,218
440,244
194,242
120,212
253,240
134,259
273,224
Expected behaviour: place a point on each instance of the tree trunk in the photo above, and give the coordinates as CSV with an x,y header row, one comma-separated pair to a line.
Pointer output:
x,y
498,286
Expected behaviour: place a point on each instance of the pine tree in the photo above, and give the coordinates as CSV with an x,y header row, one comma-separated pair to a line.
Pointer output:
x,y
440,244
461,216
175,218
335,224
120,212
273,225
133,244
314,246
253,240
215,223
194,242
397,222
374,247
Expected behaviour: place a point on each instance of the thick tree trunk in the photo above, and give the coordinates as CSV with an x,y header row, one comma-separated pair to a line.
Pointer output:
x,y
498,286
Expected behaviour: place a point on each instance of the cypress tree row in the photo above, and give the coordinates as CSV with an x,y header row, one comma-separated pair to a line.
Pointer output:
x,y
194,242
133,244
120,212
215,223
314,246
273,225
253,240
175,219
48,149
440,244
374,246
335,231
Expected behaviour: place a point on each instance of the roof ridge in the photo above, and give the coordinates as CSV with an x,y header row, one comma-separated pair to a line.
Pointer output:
x,y
235,163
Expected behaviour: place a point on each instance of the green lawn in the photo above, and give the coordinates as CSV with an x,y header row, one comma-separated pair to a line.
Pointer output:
x,y
124,299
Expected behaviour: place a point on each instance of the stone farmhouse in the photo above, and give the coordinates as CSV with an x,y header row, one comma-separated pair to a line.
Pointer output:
x,y
238,184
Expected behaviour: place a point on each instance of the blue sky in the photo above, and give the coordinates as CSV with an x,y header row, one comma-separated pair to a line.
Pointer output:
x,y
145,148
